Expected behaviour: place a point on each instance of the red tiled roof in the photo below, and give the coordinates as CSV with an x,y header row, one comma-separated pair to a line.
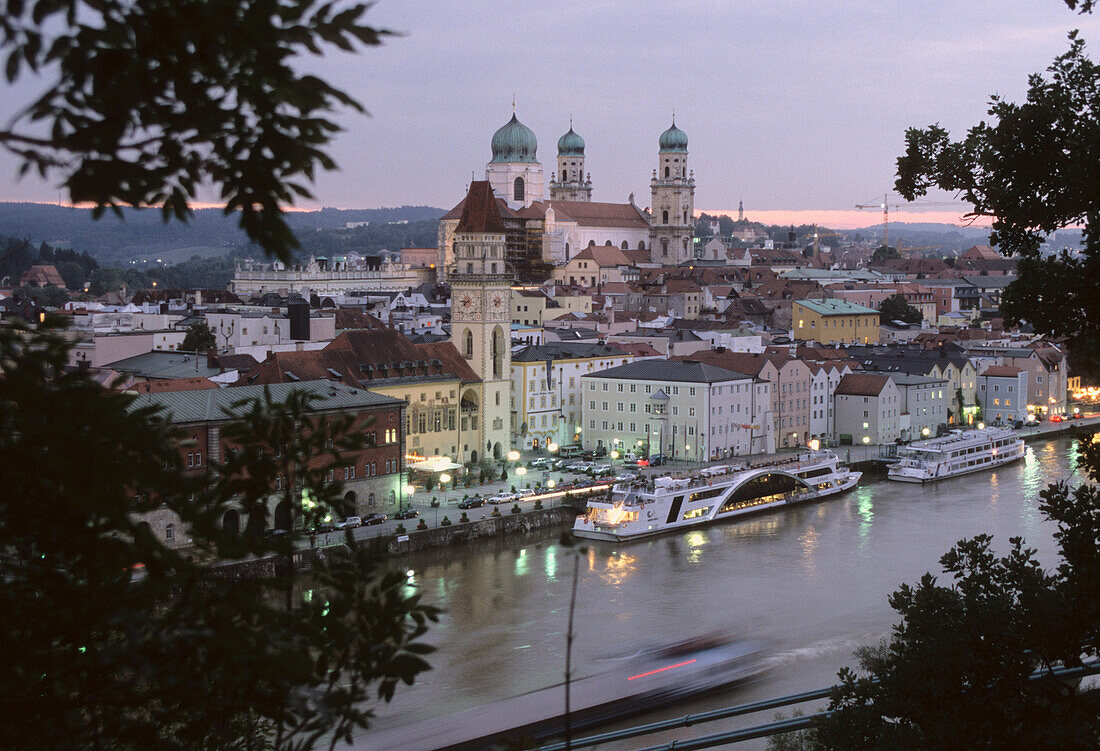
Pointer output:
x,y
42,275
862,384
747,363
480,213
595,214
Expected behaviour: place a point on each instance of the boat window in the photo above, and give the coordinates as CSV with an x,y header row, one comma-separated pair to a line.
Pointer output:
x,y
695,513
674,512
704,494
815,473
763,489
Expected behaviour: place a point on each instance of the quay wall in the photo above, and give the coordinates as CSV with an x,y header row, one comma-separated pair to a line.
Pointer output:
x,y
503,527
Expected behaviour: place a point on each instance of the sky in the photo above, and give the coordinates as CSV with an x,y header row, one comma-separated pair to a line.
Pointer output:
x,y
798,109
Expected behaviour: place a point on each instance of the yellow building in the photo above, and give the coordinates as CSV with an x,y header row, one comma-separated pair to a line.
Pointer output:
x,y
834,322
532,306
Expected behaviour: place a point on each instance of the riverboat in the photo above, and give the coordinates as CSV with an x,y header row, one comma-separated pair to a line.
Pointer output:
x,y
650,506
959,453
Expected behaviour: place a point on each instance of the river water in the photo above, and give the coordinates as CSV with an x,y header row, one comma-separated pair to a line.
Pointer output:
x,y
812,581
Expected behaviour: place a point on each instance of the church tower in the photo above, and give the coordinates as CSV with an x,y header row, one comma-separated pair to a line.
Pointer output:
x,y
480,324
514,172
570,182
673,188
740,211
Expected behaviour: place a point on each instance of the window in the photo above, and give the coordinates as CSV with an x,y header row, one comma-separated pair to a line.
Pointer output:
x,y
468,343
517,189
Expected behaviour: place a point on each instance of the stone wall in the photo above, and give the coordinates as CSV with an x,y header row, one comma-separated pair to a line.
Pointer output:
x,y
505,526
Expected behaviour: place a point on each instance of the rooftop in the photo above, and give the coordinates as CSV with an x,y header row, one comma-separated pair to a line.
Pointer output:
x,y
688,371
836,307
218,404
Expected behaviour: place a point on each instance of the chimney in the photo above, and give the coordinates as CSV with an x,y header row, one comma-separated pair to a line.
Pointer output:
x,y
212,358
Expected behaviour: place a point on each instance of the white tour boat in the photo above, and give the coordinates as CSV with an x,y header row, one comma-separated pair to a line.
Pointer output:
x,y
650,506
959,453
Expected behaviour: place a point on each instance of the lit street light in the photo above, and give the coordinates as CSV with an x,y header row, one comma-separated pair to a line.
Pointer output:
x,y
552,448
513,456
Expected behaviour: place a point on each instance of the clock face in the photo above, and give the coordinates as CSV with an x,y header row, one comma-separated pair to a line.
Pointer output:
x,y
469,305
498,301
467,301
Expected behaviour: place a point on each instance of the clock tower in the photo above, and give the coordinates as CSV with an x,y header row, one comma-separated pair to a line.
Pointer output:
x,y
481,317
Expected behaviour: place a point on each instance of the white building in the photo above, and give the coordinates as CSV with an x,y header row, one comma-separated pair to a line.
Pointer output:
x,y
680,409
546,390
926,400
868,409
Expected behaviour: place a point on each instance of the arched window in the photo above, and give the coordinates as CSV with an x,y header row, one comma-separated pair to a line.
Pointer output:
x,y
666,170
517,189
664,246
685,243
625,245
641,245
497,346
664,217
685,217
563,175
468,345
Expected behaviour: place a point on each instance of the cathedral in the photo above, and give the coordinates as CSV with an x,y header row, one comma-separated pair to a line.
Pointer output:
x,y
543,232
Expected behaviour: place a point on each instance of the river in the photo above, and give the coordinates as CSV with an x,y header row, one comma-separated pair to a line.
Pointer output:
x,y
812,581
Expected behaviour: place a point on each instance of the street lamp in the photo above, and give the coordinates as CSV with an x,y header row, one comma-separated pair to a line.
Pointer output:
x,y
513,456
924,431
981,426
552,447
551,483
521,471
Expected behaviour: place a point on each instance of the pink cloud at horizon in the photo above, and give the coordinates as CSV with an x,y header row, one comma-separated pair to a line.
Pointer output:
x,y
849,218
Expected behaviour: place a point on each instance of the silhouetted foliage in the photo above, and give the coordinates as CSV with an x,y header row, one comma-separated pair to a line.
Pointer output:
x,y
144,101
1028,169
179,658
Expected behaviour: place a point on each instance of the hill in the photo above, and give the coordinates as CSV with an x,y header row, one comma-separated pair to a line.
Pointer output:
x,y
140,237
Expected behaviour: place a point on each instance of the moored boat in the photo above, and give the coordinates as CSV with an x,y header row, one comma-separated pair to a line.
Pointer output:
x,y
959,453
649,506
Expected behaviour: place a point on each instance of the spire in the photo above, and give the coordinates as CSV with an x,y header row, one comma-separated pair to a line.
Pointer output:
x,y
513,102
479,211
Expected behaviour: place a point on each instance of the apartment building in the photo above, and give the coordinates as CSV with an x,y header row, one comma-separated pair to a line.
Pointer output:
x,y
685,410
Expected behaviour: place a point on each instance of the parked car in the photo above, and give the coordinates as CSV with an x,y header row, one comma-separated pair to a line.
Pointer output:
x,y
540,463
472,503
525,493
556,464
626,477
273,533
502,497
600,451
575,466
374,519
350,523
656,461
407,513
322,528
1057,418
1076,416
598,470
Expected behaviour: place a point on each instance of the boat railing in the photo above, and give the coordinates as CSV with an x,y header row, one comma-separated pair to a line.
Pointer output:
x,y
681,481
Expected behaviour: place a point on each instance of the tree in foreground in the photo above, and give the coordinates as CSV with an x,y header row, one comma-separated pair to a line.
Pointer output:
x,y
1034,169
178,658
146,100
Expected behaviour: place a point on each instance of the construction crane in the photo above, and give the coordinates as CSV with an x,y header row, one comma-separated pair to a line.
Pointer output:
x,y
885,206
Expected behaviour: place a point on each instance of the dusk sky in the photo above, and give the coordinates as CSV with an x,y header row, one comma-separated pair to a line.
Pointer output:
x,y
799,109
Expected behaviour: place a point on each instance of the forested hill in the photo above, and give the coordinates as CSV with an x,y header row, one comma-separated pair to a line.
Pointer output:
x,y
142,237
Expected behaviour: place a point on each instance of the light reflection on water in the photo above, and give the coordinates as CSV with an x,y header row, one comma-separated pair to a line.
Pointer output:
x,y
788,576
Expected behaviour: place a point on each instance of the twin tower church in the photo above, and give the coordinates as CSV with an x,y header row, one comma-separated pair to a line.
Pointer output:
x,y
507,231
544,231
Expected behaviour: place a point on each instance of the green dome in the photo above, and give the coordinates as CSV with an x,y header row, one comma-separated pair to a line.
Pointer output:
x,y
571,144
674,139
514,142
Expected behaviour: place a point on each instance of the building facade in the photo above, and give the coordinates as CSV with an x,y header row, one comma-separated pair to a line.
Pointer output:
x,y
834,322
679,409
481,322
868,409
671,235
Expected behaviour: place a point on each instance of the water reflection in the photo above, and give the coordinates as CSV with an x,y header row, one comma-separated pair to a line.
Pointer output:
x,y
788,575
618,567
808,543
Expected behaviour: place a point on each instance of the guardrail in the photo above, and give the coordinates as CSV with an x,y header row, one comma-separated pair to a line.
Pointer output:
x,y
778,727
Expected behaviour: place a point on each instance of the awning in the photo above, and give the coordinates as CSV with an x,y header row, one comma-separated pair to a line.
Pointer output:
x,y
435,464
